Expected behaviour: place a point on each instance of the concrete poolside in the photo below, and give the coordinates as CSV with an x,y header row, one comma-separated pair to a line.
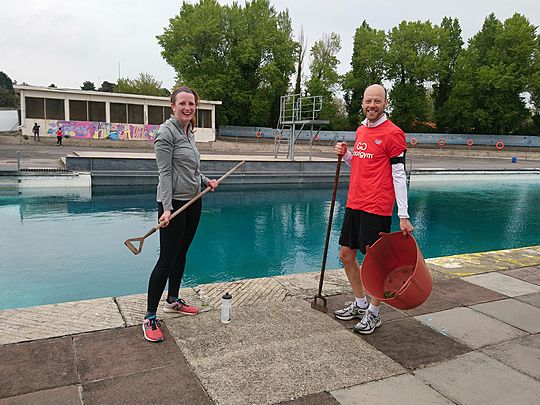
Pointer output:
x,y
475,341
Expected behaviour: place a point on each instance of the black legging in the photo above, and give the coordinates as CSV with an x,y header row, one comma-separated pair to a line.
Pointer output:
x,y
174,241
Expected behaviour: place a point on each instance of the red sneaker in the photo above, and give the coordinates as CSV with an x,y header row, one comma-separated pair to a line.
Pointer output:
x,y
180,307
151,330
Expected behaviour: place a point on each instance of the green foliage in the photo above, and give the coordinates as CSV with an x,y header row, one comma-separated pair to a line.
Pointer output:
x,y
492,76
367,65
107,87
411,61
88,85
144,84
8,98
410,105
449,45
300,62
240,55
324,79
411,53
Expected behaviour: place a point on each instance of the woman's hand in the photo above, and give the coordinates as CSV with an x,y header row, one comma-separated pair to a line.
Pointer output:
x,y
212,184
340,148
164,219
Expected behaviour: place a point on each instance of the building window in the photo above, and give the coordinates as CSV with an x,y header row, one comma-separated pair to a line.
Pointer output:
x,y
78,110
119,113
156,114
204,118
135,114
54,109
35,107
96,111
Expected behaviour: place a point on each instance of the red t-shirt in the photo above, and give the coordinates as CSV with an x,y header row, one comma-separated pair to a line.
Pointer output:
x,y
371,187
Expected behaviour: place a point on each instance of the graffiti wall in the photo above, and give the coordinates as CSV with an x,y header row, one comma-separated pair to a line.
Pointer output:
x,y
103,130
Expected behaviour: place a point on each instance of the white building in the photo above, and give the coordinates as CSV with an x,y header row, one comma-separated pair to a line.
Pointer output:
x,y
100,115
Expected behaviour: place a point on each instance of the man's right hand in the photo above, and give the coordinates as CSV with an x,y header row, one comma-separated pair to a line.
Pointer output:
x,y
340,148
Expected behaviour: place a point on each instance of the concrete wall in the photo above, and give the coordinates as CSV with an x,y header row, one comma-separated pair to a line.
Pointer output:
x,y
143,171
421,138
9,120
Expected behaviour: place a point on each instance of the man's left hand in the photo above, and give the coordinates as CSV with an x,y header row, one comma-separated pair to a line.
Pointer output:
x,y
405,225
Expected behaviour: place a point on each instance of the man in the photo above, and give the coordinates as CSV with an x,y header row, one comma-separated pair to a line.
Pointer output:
x,y
35,130
59,135
377,180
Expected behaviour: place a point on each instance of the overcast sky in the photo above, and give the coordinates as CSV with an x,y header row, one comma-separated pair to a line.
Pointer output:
x,y
67,42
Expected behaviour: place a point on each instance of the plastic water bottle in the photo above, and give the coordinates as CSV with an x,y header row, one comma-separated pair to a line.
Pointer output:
x,y
226,302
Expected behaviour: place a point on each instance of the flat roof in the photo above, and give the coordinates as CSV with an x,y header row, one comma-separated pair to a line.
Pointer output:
x,y
65,91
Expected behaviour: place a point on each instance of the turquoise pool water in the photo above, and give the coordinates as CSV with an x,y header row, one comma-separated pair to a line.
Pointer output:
x,y
60,248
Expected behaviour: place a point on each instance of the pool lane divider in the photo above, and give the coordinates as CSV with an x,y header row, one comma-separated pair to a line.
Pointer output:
x,y
136,250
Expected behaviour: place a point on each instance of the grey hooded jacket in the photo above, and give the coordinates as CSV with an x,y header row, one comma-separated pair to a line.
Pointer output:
x,y
178,162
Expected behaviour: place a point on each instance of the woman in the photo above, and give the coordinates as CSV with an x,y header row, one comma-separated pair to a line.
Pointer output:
x,y
59,135
180,180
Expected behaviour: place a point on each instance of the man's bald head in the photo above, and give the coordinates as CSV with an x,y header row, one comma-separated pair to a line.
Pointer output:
x,y
374,102
376,89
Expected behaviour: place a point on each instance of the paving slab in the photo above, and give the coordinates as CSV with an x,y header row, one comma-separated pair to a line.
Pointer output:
x,y
529,274
68,318
161,386
118,352
477,379
403,389
244,292
503,284
305,285
133,307
284,349
413,344
468,264
470,327
437,275
482,262
521,354
463,293
340,301
321,398
516,313
435,302
57,396
533,299
35,366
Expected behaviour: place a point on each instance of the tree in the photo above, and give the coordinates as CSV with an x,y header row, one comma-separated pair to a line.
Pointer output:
x,y
411,62
492,76
300,62
88,85
534,87
52,85
8,98
145,84
107,87
367,64
243,56
449,47
324,79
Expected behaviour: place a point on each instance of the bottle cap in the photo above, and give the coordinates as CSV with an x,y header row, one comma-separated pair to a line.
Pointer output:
x,y
227,296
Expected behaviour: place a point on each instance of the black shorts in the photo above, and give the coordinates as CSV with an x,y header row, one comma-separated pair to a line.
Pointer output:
x,y
361,229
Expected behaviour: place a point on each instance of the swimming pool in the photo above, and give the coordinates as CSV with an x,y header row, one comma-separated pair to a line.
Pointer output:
x,y
58,248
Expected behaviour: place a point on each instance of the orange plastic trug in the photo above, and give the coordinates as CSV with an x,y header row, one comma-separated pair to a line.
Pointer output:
x,y
395,272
